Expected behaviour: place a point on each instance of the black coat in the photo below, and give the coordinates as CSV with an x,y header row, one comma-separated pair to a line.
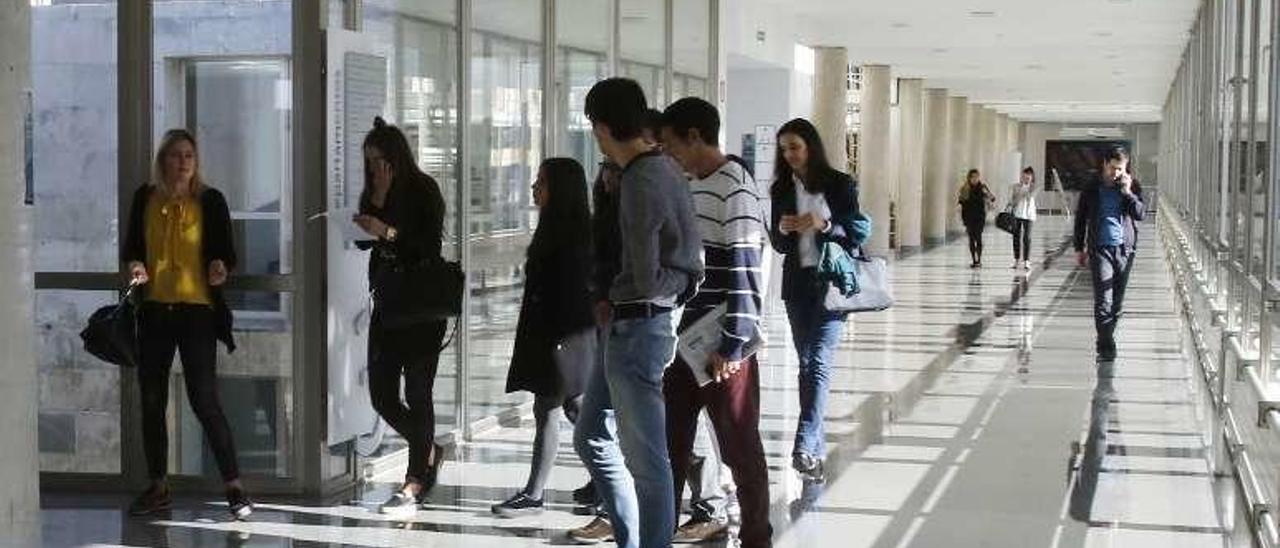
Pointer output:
x,y
841,193
216,244
556,309
415,208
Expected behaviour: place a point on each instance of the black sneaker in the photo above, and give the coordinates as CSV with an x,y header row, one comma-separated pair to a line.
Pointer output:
x,y
400,504
239,504
154,499
586,494
809,467
518,505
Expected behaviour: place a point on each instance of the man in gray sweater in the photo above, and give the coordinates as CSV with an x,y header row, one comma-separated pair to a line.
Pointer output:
x,y
623,413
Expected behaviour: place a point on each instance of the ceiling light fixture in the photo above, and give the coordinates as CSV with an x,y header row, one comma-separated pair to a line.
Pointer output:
x,y
982,13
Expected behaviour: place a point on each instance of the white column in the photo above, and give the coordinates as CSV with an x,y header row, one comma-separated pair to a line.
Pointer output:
x,y
910,204
830,102
873,154
19,464
975,139
957,162
937,153
987,144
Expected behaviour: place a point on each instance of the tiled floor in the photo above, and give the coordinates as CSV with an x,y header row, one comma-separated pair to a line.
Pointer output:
x,y
950,425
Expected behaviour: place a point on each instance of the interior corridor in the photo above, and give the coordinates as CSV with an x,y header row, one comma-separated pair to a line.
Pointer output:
x,y
951,424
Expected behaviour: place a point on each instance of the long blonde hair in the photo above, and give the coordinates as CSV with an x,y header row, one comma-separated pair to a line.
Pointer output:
x,y
170,139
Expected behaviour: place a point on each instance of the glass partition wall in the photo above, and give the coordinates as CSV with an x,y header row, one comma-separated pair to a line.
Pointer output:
x,y
484,90
1219,215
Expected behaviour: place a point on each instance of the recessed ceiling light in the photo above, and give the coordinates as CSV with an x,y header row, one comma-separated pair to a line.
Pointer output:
x,y
900,25
939,50
982,13
1034,66
1102,33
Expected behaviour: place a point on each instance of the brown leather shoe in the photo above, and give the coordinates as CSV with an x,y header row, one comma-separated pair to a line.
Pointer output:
x,y
599,530
699,531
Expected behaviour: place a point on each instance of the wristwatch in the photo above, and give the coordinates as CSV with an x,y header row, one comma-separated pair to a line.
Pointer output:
x,y
389,234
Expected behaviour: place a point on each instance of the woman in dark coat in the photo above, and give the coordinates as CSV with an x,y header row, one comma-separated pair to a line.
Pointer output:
x,y
555,336
402,209
813,203
974,200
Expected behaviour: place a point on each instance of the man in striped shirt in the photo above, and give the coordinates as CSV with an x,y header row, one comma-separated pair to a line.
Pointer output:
x,y
730,213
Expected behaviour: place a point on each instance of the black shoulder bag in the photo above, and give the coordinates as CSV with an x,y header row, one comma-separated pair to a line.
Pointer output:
x,y
410,294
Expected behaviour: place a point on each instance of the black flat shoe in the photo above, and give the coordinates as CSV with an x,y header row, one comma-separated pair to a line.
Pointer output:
x,y
151,501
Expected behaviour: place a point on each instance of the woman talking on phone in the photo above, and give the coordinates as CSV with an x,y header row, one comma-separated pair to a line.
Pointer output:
x,y
813,203
402,209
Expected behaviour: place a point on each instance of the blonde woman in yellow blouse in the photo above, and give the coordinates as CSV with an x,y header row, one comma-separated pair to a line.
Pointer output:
x,y
178,246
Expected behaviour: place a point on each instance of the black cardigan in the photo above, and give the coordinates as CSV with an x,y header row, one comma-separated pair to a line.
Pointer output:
x,y
841,193
216,244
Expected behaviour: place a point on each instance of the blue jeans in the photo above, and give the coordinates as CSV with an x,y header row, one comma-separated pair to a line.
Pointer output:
x,y
621,433
816,332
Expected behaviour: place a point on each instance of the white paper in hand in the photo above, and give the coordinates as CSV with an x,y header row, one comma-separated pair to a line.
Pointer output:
x,y
701,339
340,220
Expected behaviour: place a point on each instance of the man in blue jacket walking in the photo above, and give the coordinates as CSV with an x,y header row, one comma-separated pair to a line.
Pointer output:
x,y
1106,238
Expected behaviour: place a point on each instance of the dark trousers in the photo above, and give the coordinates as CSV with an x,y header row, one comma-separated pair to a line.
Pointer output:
x,y
414,353
1021,240
189,330
734,409
1110,268
974,230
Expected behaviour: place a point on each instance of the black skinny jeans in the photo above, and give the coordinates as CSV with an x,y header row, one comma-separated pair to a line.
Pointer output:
x,y
188,329
414,353
975,239
1021,240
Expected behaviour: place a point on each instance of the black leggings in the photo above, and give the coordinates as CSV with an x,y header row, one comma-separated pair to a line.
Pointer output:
x,y
188,329
1021,240
413,352
975,239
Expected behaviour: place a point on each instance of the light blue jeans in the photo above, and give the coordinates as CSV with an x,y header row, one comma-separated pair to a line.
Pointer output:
x,y
621,432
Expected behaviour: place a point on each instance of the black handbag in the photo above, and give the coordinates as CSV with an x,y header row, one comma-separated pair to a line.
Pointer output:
x,y
405,295
112,332
1006,222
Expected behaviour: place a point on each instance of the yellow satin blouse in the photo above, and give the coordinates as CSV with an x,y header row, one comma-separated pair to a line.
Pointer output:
x,y
175,259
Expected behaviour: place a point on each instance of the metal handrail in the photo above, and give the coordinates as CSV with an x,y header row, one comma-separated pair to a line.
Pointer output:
x,y
1180,253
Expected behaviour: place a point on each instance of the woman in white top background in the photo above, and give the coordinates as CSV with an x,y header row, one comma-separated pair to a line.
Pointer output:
x,y
1022,203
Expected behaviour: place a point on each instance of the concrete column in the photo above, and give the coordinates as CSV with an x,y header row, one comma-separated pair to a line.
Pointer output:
x,y
975,140
959,131
873,154
830,102
19,463
910,201
937,154
986,143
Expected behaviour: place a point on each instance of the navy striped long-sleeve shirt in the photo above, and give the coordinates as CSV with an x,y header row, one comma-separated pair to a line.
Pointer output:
x,y
731,213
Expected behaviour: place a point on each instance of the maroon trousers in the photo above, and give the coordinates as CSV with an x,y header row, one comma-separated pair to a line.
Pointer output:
x,y
734,409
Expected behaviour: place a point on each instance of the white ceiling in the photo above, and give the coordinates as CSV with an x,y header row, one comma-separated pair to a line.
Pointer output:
x,y
1037,60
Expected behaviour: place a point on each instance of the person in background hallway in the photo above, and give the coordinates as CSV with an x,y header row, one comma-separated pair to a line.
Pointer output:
x,y
179,244
975,198
1023,203
732,224
661,268
813,203
1106,239
402,208
555,337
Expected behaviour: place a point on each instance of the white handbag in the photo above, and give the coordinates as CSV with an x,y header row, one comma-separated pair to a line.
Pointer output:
x,y
874,292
